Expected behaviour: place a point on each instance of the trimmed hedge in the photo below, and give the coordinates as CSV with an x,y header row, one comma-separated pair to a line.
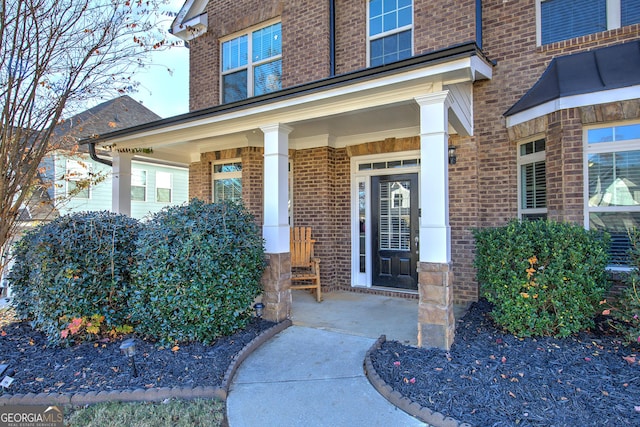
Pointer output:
x,y
543,277
75,266
199,270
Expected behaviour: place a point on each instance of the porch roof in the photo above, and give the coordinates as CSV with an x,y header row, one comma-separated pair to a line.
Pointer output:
x,y
610,71
357,103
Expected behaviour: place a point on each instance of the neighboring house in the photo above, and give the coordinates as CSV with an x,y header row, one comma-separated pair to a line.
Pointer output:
x,y
395,127
154,183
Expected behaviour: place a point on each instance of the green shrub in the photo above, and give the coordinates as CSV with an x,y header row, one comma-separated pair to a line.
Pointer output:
x,y
199,270
75,266
543,277
627,308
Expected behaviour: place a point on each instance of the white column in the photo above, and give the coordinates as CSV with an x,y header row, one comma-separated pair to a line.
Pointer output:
x,y
276,188
121,183
435,232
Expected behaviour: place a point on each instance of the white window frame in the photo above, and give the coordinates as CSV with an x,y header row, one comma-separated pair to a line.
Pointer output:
x,y
390,32
525,160
145,186
358,278
605,147
170,188
82,168
251,65
224,175
614,18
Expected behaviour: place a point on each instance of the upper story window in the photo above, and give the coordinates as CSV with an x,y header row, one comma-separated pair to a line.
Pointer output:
x,y
532,179
163,187
252,63
138,185
227,181
567,19
78,179
390,31
612,184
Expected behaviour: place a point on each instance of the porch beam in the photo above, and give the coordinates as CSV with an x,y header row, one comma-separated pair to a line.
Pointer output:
x,y
121,183
435,232
276,188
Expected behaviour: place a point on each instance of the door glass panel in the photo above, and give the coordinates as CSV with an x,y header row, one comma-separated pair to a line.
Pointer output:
x,y
395,215
362,214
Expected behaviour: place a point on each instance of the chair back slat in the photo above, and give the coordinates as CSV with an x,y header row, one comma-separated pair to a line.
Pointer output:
x,y
301,246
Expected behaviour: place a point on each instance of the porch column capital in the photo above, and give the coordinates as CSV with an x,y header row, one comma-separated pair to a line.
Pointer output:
x,y
276,188
435,232
121,183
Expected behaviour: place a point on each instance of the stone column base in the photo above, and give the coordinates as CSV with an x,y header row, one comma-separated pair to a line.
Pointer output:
x,y
436,323
276,284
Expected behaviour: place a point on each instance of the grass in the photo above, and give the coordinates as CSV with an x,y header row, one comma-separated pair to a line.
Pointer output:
x,y
175,413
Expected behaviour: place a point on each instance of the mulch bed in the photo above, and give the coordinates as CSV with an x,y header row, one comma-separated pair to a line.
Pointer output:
x,y
101,366
491,378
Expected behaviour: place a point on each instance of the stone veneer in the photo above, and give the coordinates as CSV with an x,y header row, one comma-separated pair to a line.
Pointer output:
x,y
436,323
276,284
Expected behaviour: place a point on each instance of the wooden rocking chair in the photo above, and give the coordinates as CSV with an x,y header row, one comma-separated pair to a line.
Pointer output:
x,y
305,268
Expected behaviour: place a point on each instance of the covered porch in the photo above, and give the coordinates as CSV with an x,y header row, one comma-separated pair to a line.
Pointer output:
x,y
312,155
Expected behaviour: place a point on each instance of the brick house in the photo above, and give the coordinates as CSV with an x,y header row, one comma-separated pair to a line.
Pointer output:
x,y
394,127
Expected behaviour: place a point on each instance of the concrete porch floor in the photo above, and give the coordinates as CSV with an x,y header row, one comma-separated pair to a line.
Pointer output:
x,y
360,314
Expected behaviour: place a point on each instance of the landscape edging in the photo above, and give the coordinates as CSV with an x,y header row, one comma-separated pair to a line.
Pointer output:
x,y
156,394
429,416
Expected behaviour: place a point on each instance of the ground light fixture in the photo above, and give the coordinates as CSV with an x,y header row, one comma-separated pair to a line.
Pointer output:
x,y
258,307
452,155
128,347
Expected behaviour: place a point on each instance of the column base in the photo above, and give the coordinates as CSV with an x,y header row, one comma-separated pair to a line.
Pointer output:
x,y
436,322
276,284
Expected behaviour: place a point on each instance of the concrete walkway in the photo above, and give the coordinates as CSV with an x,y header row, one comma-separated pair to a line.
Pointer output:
x,y
311,374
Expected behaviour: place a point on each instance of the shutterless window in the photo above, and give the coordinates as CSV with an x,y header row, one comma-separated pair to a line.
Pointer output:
x,y
77,177
567,19
227,181
532,178
163,187
252,63
613,184
138,185
390,31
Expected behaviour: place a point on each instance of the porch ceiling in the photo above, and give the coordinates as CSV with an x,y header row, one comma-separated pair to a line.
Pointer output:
x,y
338,114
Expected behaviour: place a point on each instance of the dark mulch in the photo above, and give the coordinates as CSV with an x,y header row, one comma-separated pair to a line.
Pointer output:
x,y
100,366
490,378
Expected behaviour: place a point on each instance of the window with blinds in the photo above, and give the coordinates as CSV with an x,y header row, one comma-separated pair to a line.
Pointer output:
x,y
532,178
613,182
227,181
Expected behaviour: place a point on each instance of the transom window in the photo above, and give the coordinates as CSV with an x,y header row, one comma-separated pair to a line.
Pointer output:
x,y
390,31
252,63
567,19
532,180
227,181
612,184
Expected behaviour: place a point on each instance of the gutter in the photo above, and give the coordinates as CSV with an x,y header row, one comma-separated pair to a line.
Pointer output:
x,y
94,155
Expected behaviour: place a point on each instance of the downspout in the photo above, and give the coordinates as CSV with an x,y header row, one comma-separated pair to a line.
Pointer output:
x,y
479,23
332,38
94,155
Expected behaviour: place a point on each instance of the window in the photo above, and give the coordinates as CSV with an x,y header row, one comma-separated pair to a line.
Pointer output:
x,y
532,180
138,185
227,181
252,63
78,179
163,187
612,184
566,19
390,31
